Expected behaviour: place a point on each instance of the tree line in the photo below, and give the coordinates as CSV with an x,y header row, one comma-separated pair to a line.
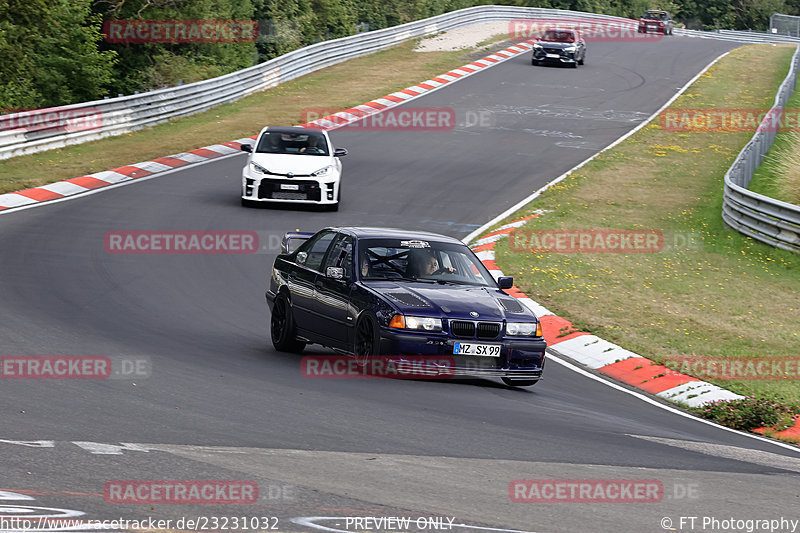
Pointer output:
x,y
54,52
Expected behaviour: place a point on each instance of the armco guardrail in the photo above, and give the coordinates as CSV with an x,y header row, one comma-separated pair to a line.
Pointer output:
x,y
120,115
755,215
116,116
740,36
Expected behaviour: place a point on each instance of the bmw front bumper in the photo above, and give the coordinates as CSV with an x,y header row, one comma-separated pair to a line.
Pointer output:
x,y
519,358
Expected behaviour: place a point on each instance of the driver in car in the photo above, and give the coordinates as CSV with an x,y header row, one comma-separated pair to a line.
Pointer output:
x,y
312,146
424,263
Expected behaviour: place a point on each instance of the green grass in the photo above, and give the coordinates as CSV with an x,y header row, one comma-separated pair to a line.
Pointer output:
x,y
727,296
779,174
341,86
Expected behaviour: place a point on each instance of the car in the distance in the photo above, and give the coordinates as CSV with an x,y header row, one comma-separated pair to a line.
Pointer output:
x,y
656,21
292,165
559,46
394,293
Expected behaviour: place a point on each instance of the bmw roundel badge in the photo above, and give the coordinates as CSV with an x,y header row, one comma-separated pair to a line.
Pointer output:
x,y
473,314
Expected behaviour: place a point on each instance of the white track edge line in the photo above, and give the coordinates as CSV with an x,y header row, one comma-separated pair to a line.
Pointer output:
x,y
666,407
519,205
533,196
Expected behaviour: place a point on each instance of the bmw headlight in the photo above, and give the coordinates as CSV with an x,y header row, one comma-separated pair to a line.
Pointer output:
x,y
419,323
258,168
323,171
524,329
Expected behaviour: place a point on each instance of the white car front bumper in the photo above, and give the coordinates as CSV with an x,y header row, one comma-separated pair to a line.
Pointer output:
x,y
296,190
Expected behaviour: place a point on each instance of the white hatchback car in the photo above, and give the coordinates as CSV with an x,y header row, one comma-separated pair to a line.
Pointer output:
x,y
292,165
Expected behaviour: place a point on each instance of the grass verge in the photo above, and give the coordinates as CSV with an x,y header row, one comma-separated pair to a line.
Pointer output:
x,y
722,296
341,86
779,175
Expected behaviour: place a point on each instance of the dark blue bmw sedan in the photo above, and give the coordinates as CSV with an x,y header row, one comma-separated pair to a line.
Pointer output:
x,y
388,292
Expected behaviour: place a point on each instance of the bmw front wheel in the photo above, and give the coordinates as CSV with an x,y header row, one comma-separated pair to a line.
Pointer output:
x,y
512,382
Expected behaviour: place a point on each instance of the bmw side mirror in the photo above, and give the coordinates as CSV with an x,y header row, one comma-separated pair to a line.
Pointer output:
x,y
335,272
505,282
246,148
301,258
339,152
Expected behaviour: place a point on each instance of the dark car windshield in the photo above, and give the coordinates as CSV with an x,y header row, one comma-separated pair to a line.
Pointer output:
x,y
414,259
556,36
273,142
655,16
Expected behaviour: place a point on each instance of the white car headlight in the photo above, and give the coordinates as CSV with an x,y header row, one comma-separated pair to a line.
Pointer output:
x,y
258,168
421,323
570,48
537,45
523,329
323,171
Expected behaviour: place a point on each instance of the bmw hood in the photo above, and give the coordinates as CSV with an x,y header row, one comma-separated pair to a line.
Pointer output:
x,y
295,163
451,301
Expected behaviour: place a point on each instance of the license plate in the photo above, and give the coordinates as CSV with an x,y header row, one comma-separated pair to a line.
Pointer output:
x,y
290,187
289,195
555,56
469,348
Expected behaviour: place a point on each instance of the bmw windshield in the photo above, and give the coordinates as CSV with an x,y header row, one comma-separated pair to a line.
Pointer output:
x,y
421,260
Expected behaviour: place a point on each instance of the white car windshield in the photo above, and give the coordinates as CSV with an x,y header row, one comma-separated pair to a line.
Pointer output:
x,y
292,143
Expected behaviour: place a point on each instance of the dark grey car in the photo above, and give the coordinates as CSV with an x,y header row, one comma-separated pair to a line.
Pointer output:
x,y
564,47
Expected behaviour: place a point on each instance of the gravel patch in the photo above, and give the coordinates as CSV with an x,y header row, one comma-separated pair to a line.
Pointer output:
x,y
460,38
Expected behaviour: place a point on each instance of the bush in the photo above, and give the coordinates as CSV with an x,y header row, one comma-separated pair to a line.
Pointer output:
x,y
751,412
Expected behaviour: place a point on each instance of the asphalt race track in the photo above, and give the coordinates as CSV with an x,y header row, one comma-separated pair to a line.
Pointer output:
x,y
222,404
